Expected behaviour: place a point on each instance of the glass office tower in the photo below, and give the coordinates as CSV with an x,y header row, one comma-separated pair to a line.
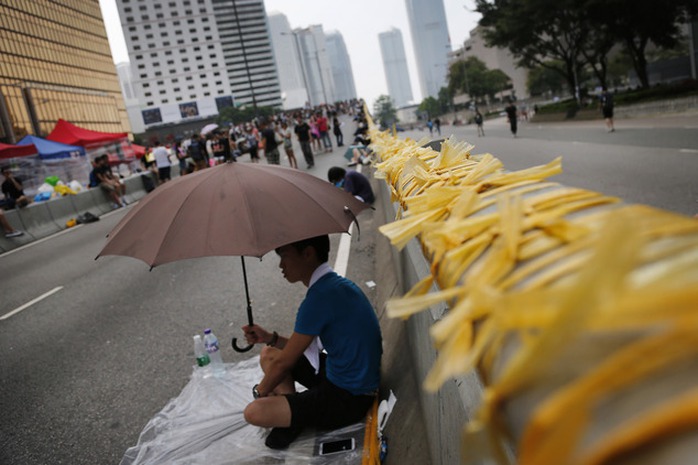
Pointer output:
x,y
55,62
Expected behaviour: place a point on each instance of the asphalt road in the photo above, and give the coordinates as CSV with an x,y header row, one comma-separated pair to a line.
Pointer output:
x,y
84,369
653,161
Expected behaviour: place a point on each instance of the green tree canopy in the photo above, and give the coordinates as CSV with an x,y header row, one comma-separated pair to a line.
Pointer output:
x,y
636,23
566,36
542,79
384,111
471,76
547,33
430,106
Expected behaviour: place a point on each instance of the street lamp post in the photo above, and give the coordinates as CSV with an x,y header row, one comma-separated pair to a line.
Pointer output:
x,y
244,55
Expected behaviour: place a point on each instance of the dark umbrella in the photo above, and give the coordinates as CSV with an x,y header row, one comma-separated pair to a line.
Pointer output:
x,y
231,209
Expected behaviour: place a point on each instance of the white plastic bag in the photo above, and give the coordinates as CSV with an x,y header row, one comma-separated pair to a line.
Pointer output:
x,y
205,424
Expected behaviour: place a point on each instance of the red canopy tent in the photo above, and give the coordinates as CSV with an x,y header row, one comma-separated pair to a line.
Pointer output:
x,y
13,151
139,150
114,144
68,133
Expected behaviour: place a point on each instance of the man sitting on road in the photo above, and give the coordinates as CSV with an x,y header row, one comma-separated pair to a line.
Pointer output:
x,y
353,182
342,380
114,188
13,190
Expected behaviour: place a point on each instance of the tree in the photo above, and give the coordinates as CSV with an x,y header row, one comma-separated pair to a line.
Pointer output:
x,y
636,23
430,106
542,79
472,77
445,100
548,33
384,111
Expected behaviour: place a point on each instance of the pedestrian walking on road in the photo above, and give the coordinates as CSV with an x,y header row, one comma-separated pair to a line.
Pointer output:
x,y
478,121
303,132
430,125
437,124
269,144
337,128
512,117
288,144
606,102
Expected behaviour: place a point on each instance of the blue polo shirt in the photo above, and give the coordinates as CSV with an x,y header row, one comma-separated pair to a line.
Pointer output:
x,y
338,312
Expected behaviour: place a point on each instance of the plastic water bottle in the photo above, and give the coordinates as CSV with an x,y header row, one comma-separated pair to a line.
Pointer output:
x,y
202,358
214,350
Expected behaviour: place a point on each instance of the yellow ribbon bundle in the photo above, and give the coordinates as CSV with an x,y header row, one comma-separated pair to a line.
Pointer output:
x,y
578,311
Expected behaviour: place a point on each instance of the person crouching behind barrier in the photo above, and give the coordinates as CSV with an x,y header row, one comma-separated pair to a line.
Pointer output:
x,y
353,182
342,379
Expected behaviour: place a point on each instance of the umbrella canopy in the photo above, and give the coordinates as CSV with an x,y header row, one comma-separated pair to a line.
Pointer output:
x,y
231,209
208,128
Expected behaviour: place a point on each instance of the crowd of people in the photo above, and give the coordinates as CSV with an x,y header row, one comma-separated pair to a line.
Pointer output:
x,y
263,137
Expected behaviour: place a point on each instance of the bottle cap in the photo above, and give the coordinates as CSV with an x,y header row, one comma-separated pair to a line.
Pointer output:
x,y
207,331
197,336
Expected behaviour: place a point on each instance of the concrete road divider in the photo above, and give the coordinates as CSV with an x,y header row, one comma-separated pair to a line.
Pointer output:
x,y
7,244
37,220
61,210
41,219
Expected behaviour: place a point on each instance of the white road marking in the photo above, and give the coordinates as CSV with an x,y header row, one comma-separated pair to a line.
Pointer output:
x,y
688,150
31,302
342,260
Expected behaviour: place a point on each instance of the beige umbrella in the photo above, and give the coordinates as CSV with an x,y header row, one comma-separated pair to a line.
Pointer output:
x,y
231,209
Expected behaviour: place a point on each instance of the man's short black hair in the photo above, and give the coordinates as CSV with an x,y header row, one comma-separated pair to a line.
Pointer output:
x,y
321,244
336,174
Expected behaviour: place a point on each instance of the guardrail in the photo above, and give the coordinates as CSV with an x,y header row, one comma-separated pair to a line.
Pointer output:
x,y
42,219
549,324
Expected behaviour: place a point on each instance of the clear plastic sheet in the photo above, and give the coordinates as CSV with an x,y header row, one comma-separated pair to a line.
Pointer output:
x,y
205,425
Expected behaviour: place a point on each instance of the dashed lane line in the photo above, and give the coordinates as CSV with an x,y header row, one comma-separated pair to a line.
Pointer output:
x,y
31,302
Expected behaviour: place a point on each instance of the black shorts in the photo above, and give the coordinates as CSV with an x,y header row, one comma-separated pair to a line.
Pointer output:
x,y
165,172
324,405
607,112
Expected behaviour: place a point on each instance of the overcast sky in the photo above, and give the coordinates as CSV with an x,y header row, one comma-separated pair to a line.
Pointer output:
x,y
359,21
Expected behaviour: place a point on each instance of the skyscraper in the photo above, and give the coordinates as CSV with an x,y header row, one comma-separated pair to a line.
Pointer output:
x,y
55,62
431,43
291,78
395,65
318,72
247,51
191,59
342,74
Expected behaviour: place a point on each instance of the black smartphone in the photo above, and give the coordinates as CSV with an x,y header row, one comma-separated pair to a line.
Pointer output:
x,y
334,447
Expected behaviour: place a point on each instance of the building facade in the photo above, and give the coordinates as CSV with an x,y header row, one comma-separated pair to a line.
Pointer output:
x,y
294,93
312,50
494,58
55,63
192,58
342,73
395,65
431,43
247,52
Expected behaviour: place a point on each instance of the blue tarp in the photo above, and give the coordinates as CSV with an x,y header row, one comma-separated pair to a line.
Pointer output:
x,y
50,150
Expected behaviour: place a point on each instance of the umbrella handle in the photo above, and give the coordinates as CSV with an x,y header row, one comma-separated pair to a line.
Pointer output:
x,y
241,349
250,321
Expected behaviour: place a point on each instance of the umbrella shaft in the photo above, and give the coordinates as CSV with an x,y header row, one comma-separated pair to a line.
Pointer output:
x,y
250,321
